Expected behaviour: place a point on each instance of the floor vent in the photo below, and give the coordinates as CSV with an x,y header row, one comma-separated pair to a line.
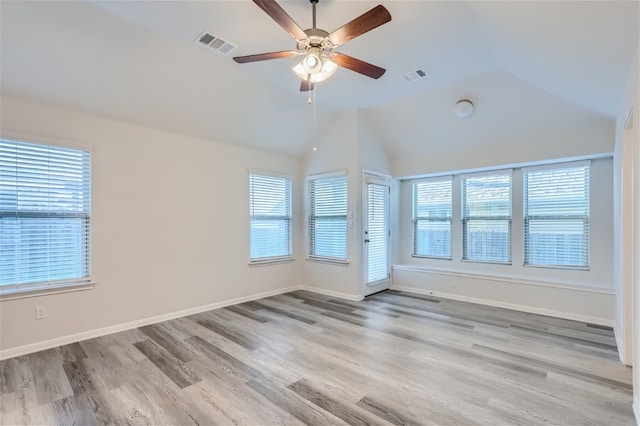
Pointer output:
x,y
414,75
215,43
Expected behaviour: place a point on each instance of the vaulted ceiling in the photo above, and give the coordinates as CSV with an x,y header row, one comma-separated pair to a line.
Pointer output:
x,y
523,64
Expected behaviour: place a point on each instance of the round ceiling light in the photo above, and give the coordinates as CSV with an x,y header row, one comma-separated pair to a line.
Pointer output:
x,y
464,108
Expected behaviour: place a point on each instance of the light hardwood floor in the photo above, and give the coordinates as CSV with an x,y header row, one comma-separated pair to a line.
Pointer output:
x,y
303,358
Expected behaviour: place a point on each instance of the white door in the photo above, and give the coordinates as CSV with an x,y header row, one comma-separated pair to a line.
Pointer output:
x,y
376,235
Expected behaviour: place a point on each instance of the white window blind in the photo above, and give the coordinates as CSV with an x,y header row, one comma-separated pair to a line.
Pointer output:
x,y
556,216
45,202
486,218
328,218
432,215
270,217
377,232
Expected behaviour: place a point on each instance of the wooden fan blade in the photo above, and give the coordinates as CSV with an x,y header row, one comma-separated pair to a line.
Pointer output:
x,y
366,22
357,65
264,56
306,86
278,14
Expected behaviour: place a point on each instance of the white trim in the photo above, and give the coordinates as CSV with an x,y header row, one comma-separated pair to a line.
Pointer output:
x,y
636,409
620,345
509,166
44,140
327,175
259,172
556,166
73,338
439,178
378,176
271,261
485,173
513,306
566,285
327,260
44,290
346,296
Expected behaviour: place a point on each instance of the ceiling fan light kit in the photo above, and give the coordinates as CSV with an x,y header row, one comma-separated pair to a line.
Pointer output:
x,y
319,62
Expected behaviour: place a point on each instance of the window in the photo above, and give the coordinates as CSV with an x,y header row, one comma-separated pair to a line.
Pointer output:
x,y
45,202
432,210
328,217
486,217
270,212
556,216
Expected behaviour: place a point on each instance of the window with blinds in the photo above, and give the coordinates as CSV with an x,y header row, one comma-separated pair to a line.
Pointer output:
x,y
45,204
377,233
556,216
432,215
486,217
328,218
270,218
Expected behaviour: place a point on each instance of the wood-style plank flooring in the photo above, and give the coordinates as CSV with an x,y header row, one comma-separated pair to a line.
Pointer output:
x,y
303,358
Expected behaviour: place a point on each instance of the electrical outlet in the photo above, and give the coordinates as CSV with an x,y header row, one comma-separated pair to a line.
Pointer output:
x,y
41,312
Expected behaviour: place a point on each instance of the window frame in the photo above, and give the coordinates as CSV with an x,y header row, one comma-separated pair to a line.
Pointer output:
x,y
465,219
311,219
416,220
526,218
288,219
64,285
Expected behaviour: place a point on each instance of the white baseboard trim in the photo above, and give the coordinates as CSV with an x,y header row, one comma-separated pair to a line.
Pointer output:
x,y
331,293
78,337
515,307
621,347
636,409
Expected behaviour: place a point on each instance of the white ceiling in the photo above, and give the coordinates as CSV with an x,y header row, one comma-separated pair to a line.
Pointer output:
x,y
137,61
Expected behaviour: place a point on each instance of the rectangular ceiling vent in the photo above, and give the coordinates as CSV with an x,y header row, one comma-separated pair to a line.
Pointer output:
x,y
215,43
414,75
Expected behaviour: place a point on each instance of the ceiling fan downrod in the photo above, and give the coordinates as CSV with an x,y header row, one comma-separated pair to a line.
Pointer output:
x,y
313,7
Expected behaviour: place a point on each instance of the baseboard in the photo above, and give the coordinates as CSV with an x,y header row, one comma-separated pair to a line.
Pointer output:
x,y
78,337
636,409
621,348
515,307
339,295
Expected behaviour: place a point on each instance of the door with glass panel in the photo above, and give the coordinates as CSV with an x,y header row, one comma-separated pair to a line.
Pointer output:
x,y
377,271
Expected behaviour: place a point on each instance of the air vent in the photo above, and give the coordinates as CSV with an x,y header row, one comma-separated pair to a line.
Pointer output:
x,y
414,75
215,43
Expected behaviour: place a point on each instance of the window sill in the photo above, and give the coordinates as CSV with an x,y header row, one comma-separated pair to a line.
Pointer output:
x,y
44,289
328,261
266,262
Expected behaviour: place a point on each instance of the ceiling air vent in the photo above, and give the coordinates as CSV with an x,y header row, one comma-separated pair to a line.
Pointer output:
x,y
414,75
215,43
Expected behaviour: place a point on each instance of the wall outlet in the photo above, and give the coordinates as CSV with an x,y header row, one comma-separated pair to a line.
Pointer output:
x,y
41,312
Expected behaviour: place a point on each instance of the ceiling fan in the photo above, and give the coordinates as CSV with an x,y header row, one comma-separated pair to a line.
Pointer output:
x,y
319,62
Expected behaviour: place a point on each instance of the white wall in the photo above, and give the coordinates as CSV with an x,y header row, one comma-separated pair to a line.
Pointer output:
x,y
351,145
337,151
581,295
627,228
170,227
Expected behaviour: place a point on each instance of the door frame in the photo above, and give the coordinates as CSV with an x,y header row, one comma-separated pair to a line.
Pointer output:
x,y
369,176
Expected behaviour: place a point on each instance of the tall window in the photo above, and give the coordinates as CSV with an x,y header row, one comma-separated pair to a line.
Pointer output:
x,y
432,210
270,214
486,217
45,202
328,217
556,216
